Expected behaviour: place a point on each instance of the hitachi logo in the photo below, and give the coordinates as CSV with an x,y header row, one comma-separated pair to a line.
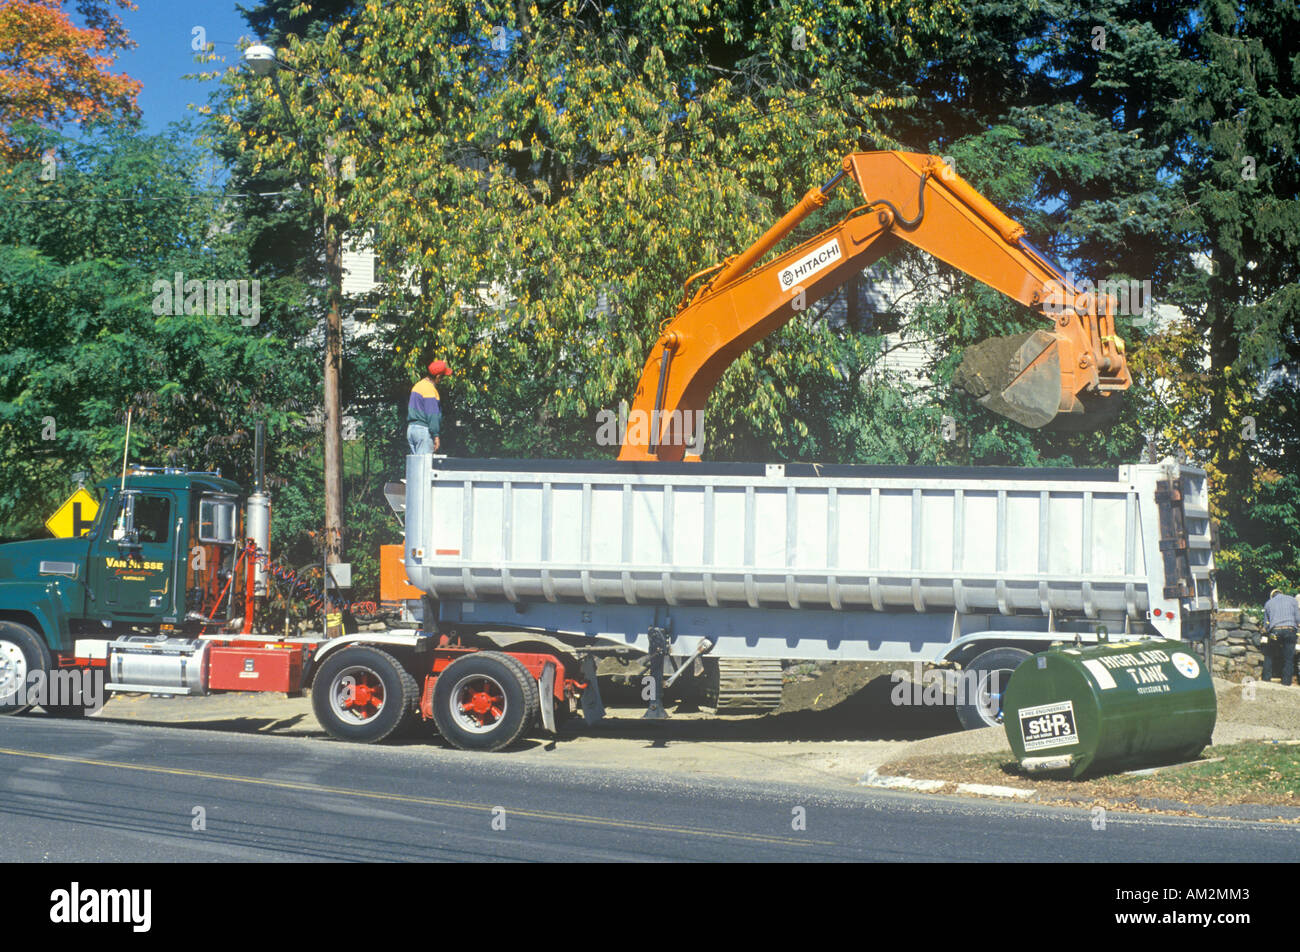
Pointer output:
x,y
810,264
103,905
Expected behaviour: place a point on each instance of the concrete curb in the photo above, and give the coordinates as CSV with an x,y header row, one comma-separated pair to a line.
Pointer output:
x,y
994,790
873,778
886,782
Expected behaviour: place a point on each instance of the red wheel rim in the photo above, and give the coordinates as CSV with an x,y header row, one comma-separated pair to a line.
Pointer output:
x,y
358,694
478,703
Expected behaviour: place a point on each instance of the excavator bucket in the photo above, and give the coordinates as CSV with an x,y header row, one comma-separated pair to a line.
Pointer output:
x,y
1018,377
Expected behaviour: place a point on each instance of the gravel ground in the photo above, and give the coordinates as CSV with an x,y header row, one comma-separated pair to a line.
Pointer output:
x,y
1261,711
832,728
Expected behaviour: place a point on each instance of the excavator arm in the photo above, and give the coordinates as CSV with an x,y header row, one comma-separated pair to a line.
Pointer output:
x,y
1076,368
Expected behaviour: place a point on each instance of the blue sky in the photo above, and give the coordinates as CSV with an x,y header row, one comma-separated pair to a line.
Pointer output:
x,y
164,31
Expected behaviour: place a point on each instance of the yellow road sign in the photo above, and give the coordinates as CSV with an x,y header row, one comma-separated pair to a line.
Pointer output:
x,y
74,517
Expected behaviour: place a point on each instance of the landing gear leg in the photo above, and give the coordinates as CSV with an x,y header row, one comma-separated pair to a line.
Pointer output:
x,y
593,708
658,651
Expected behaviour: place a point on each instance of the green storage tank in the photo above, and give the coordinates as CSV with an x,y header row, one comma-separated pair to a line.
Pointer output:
x,y
1113,705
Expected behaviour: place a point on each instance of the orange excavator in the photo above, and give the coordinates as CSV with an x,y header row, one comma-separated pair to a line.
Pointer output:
x,y
1072,374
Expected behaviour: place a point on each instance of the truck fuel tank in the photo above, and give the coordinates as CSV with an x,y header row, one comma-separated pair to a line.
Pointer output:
x,y
158,665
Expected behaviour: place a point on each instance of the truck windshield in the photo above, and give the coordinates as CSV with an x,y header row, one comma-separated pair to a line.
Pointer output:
x,y
149,516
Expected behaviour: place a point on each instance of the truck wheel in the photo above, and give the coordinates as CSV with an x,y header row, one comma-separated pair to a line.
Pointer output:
x,y
362,694
66,710
21,652
532,690
984,684
484,701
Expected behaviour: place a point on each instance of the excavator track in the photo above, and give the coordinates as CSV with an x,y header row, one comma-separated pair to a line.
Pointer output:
x,y
741,686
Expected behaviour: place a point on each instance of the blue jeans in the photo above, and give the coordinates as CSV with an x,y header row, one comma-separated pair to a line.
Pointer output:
x,y
417,436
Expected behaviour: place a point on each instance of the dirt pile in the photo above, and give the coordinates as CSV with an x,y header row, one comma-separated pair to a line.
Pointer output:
x,y
1258,710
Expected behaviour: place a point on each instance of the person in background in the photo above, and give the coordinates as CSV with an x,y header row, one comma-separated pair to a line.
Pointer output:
x,y
1281,622
424,411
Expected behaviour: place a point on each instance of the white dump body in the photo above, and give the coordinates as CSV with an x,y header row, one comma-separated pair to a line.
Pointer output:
x,y
953,544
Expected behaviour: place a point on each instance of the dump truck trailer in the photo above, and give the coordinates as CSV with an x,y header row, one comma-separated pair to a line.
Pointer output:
x,y
970,567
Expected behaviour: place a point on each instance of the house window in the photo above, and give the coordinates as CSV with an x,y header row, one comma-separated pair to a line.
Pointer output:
x,y
883,322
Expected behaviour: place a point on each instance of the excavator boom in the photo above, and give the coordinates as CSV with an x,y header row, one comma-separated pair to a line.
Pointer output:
x,y
1075,368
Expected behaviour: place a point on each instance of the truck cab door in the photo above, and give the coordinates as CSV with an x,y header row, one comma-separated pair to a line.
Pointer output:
x,y
133,559
211,548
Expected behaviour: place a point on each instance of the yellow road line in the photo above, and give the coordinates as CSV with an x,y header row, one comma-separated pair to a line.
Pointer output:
x,y
424,801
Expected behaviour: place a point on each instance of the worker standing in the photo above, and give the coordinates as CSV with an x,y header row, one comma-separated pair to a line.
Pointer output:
x,y
424,411
1281,622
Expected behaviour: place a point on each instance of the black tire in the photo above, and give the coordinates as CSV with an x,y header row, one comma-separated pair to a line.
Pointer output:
x,y
70,711
390,699
979,704
486,675
532,690
21,652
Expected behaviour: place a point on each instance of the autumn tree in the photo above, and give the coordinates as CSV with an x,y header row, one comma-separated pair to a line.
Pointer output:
x,y
53,71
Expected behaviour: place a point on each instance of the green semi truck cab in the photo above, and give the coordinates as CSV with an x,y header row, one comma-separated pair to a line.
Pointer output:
x,y
158,558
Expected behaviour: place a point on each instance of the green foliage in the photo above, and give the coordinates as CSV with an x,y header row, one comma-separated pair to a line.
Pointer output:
x,y
1260,545
1240,168
80,339
549,177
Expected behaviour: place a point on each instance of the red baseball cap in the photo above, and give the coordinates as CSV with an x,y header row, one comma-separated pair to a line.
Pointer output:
x,y
439,368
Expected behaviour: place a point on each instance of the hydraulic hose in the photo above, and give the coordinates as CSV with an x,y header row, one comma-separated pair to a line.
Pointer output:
x,y
908,224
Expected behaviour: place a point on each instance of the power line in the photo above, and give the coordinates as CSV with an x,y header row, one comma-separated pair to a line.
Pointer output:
x,y
145,198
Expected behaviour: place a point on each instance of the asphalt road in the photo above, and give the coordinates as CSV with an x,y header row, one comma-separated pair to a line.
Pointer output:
x,y
115,792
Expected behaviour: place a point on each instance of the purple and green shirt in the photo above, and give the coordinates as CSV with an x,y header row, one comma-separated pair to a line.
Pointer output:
x,y
424,407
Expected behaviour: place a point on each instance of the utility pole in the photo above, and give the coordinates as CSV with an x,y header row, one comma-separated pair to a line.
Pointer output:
x,y
262,61
333,403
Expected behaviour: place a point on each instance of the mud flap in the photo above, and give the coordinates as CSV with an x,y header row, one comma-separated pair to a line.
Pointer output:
x,y
546,696
1018,377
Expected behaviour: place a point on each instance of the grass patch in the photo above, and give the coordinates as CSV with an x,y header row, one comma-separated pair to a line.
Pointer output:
x,y
1252,772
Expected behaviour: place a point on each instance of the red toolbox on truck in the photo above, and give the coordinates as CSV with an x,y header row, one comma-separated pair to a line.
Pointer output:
x,y
232,668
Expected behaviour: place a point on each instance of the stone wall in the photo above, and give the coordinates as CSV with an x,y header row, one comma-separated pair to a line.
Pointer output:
x,y
1236,651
